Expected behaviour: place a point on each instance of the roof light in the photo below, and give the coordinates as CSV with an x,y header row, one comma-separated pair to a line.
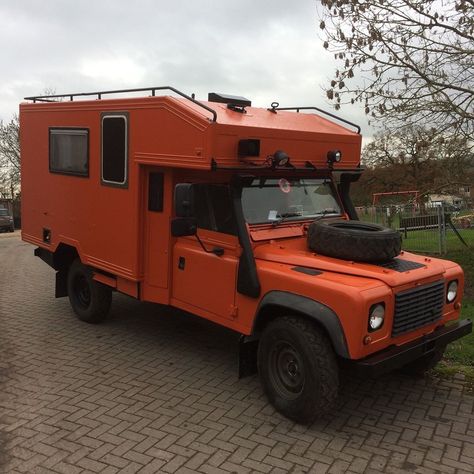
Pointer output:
x,y
334,156
280,158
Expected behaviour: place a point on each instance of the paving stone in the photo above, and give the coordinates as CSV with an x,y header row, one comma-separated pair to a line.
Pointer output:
x,y
155,390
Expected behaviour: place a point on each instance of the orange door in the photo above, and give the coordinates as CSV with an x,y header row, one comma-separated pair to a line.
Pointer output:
x,y
203,280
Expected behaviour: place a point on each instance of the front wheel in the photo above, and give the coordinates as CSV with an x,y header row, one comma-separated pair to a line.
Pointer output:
x,y
89,299
298,369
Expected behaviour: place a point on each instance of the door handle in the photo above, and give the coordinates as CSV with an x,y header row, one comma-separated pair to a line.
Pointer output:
x,y
181,263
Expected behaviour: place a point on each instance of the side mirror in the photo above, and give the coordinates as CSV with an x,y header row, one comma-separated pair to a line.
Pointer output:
x,y
184,200
182,226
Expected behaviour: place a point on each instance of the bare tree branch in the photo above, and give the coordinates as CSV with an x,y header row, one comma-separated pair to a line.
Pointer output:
x,y
9,157
404,59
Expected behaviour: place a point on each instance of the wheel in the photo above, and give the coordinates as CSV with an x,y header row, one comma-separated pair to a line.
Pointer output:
x,y
89,299
298,369
419,367
12,229
354,240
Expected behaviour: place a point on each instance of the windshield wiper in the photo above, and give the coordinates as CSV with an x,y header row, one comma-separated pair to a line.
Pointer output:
x,y
325,213
285,216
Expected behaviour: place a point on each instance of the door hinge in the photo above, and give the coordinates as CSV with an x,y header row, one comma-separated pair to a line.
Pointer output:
x,y
234,311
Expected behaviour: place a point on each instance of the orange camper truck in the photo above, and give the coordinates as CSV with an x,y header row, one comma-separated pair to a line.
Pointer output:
x,y
237,214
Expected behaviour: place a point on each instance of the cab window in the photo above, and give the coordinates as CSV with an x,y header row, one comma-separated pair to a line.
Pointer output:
x,y
213,208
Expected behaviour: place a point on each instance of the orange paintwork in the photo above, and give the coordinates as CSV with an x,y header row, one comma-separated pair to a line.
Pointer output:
x,y
114,232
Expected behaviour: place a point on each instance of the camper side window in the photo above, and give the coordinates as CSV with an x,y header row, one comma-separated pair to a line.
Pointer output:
x,y
114,149
69,151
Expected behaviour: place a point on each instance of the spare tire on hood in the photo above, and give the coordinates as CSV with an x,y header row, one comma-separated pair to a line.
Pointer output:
x,y
354,240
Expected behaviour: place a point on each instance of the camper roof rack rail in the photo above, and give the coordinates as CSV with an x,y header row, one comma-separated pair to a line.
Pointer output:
x,y
275,107
99,94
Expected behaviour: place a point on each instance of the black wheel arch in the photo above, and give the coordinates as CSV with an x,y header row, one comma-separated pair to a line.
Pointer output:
x,y
278,303
61,259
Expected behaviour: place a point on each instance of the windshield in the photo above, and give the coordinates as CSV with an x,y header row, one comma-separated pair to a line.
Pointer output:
x,y
3,212
273,200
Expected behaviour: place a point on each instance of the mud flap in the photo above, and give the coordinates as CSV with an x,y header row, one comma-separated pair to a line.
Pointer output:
x,y
61,284
248,347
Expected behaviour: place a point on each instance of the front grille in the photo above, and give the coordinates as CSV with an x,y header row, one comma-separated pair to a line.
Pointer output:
x,y
418,307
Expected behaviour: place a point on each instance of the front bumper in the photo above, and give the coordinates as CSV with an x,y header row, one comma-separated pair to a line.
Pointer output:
x,y
397,356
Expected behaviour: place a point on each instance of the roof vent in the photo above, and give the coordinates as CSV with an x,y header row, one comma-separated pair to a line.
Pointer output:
x,y
234,102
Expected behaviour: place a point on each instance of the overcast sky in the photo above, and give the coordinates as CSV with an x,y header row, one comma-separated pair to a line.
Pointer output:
x,y
265,50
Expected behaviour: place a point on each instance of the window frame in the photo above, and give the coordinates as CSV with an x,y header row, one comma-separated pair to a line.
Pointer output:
x,y
51,131
106,182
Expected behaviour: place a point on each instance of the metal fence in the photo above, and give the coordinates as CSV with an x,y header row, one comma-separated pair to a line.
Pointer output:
x,y
435,229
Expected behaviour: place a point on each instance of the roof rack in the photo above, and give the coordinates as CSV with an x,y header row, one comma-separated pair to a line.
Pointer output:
x,y
275,106
99,94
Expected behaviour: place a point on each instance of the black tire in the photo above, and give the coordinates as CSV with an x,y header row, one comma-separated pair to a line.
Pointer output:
x,y
419,367
89,299
354,240
12,229
298,369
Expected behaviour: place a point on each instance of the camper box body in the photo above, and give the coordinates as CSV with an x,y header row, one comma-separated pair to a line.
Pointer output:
x,y
122,228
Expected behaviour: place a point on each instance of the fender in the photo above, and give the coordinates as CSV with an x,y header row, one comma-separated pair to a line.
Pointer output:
x,y
315,310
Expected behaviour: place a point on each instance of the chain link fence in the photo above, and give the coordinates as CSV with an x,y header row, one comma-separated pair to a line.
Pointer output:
x,y
433,229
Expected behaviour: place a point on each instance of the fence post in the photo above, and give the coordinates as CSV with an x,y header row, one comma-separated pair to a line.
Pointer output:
x,y
441,231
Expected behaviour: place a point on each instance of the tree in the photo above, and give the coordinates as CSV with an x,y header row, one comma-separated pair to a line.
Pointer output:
x,y
404,60
414,158
10,157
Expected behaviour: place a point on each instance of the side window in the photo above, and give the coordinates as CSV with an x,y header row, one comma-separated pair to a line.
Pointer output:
x,y
213,208
115,149
69,151
155,192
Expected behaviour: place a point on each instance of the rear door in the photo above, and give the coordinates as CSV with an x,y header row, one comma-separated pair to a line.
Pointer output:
x,y
156,256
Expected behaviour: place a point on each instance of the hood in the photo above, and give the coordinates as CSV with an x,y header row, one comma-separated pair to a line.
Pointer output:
x,y
293,253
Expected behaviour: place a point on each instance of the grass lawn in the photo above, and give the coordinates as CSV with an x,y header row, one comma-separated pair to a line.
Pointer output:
x,y
427,241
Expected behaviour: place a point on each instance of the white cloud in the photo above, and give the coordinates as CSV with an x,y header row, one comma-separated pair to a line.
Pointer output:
x,y
264,49
112,70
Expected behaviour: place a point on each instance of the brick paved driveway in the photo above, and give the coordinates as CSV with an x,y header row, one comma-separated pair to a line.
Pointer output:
x,y
153,390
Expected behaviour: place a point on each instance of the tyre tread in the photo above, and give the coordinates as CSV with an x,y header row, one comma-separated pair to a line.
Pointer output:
x,y
324,359
358,245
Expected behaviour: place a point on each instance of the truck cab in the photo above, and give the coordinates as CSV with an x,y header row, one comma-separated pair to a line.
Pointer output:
x,y
240,215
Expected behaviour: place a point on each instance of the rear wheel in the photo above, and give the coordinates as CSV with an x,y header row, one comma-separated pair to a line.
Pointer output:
x,y
12,229
89,299
298,369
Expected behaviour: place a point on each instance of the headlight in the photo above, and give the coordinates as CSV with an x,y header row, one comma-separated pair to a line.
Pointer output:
x,y
452,291
376,316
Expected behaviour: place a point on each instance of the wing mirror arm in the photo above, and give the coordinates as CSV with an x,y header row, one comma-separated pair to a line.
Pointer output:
x,y
219,251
